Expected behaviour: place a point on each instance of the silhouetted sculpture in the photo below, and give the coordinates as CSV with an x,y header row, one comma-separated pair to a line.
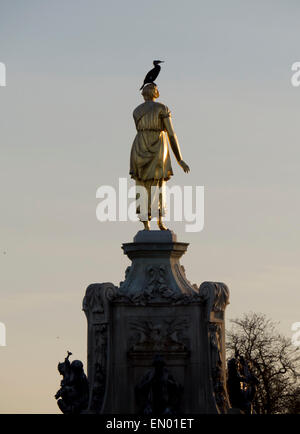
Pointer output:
x,y
158,391
241,384
251,385
73,394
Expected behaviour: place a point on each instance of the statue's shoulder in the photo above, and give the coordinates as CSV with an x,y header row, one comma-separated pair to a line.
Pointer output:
x,y
160,105
148,106
140,108
163,109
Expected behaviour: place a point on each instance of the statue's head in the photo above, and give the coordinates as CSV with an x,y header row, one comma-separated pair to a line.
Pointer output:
x,y
150,92
232,366
61,368
77,366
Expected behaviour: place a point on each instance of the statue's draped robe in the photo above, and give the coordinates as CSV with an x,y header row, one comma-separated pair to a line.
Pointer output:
x,y
150,163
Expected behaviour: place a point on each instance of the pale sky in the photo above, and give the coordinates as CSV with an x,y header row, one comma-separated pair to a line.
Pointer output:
x,y
74,68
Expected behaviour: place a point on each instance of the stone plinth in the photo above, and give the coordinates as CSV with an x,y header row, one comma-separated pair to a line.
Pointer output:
x,y
156,313
155,262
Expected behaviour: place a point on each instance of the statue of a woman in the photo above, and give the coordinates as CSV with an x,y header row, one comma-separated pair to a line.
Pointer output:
x,y
150,163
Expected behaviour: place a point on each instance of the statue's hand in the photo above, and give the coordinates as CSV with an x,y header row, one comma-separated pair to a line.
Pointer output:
x,y
184,166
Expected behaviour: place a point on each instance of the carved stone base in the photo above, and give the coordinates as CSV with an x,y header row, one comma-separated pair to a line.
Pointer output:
x,y
156,314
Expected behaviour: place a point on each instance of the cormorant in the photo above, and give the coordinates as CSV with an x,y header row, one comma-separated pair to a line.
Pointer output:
x,y
151,76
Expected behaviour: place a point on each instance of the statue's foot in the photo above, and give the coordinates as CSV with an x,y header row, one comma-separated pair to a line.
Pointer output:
x,y
161,226
146,226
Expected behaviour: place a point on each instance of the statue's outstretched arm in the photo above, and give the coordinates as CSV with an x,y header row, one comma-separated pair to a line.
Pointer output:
x,y
174,143
172,138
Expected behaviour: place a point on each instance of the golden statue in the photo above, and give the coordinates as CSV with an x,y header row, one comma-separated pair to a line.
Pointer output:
x,y
150,163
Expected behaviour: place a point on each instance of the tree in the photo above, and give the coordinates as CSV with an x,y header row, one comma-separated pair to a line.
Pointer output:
x,y
274,360
293,402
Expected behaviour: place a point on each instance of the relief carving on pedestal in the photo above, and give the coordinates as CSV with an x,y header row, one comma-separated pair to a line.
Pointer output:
x,y
215,295
156,282
157,289
158,392
217,368
96,307
158,335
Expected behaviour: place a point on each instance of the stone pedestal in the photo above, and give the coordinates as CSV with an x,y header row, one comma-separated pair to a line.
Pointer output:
x,y
157,315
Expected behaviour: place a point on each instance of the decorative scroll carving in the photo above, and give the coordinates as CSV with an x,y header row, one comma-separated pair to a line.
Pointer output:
x,y
100,366
185,283
217,368
142,299
156,290
96,307
215,295
158,335
157,287
156,282
97,297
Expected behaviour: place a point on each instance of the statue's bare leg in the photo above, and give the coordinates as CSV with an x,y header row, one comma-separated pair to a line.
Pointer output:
x,y
160,223
147,225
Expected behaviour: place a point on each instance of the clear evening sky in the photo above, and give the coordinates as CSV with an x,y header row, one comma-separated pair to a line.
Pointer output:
x,y
74,68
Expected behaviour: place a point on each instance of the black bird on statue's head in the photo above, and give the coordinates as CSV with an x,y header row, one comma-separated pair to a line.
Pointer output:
x,y
151,76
